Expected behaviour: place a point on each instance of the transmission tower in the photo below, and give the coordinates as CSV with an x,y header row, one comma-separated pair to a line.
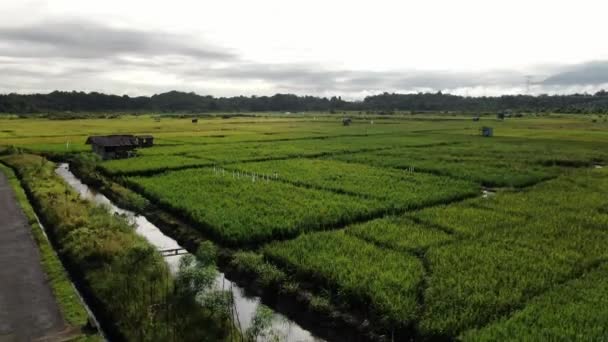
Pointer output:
x,y
528,83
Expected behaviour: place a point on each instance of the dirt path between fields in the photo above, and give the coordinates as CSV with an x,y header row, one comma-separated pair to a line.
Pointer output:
x,y
28,310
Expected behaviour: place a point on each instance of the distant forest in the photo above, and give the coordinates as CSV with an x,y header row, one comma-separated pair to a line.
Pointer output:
x,y
181,102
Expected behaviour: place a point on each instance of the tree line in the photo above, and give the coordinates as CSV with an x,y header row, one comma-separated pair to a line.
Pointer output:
x,y
175,101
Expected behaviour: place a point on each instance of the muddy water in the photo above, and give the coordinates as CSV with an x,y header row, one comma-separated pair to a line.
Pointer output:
x,y
245,305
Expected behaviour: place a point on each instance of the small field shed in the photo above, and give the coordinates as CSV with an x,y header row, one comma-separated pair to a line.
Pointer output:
x,y
487,131
119,145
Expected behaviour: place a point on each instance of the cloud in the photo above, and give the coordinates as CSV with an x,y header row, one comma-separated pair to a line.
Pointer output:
x,y
89,56
590,73
85,39
315,79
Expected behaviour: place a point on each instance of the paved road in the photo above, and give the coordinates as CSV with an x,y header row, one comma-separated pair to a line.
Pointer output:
x,y
28,310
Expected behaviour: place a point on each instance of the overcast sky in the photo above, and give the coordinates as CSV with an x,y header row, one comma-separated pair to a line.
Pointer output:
x,y
331,47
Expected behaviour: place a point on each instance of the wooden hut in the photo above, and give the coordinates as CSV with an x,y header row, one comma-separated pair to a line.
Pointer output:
x,y
119,145
113,146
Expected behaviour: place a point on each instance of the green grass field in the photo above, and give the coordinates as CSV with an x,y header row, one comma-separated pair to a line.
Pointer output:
x,y
389,217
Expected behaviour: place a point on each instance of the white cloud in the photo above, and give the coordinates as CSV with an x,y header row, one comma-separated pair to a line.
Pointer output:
x,y
348,48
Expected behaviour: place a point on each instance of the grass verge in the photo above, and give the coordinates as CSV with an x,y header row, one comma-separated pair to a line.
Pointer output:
x,y
70,304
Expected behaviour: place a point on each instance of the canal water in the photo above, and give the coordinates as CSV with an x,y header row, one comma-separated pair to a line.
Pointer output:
x,y
245,305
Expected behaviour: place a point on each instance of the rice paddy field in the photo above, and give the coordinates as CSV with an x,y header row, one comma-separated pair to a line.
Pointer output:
x,y
416,222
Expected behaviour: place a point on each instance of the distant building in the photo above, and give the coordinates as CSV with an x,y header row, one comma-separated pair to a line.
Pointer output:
x,y
504,114
346,121
118,146
487,131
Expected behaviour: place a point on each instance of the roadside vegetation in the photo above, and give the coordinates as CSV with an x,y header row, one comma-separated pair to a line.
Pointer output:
x,y
72,308
126,278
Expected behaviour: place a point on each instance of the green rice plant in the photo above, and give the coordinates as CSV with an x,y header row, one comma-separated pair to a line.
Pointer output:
x,y
155,163
576,191
240,135
467,218
514,246
489,172
491,162
168,150
292,147
399,233
239,210
383,281
570,202
253,264
585,244
472,283
398,189
489,261
56,147
574,311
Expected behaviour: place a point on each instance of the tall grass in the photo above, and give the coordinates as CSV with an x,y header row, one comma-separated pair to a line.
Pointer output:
x,y
126,279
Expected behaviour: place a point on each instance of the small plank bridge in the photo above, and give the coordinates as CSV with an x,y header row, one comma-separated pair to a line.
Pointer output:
x,y
173,251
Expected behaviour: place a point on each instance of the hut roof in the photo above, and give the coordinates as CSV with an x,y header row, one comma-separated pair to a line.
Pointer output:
x,y
112,140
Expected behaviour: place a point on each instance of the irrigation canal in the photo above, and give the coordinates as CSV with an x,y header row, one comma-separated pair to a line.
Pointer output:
x,y
245,305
